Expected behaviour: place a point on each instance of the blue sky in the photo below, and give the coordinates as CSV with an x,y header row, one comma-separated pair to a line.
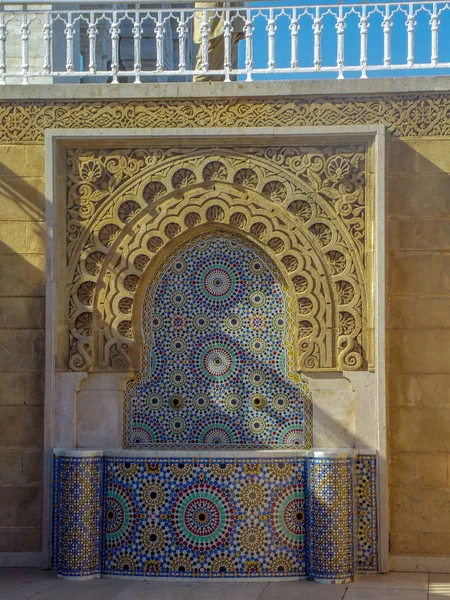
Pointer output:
x,y
351,44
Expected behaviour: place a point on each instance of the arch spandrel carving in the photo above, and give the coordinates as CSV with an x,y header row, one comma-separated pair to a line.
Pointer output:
x,y
304,206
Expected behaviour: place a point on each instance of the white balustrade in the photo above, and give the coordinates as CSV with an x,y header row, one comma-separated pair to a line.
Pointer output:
x,y
153,41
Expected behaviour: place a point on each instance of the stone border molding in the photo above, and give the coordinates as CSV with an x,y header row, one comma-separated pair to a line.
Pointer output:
x,y
414,114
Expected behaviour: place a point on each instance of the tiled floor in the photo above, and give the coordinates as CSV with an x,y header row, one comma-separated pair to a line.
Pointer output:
x,y
33,584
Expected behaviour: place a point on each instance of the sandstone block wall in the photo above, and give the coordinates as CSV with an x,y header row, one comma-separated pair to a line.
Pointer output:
x,y
418,320
22,316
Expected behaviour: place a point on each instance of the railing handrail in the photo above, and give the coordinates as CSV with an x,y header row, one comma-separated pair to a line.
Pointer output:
x,y
118,41
234,3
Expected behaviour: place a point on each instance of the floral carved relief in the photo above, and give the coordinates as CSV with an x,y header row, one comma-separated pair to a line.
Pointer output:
x,y
404,115
305,206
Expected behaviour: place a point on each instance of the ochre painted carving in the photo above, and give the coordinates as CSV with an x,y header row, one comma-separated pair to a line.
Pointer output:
x,y
305,206
405,115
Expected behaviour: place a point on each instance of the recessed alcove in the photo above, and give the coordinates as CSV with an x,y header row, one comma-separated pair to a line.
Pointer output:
x,y
214,313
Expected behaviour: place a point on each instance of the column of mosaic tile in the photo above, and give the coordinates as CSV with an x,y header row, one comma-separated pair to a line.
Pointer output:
x,y
366,507
77,513
330,519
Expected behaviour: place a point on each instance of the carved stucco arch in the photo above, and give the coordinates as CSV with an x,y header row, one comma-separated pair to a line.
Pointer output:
x,y
317,244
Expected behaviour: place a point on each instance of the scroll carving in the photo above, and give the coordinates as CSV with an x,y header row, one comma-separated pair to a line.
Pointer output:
x,y
404,115
305,206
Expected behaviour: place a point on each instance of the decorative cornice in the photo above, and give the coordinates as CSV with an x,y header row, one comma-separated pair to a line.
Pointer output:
x,y
404,115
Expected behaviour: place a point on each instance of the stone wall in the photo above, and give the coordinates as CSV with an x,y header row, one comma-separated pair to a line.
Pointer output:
x,y
418,242
22,315
418,285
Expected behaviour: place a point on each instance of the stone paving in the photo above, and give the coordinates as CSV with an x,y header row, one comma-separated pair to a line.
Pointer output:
x,y
34,584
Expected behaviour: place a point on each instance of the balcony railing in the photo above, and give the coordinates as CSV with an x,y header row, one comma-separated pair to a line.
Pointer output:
x,y
104,42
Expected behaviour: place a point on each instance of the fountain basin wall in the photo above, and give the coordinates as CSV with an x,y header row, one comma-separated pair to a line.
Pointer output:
x,y
215,514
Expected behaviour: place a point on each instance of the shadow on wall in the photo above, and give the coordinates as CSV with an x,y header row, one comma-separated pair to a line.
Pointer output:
x,y
22,322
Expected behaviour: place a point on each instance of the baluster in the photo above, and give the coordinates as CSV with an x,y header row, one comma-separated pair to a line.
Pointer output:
x,y
248,46
227,45
271,28
434,22
340,26
25,35
204,30
47,35
182,30
317,28
115,35
69,31
387,26
137,35
159,36
364,26
92,32
410,24
2,49
294,27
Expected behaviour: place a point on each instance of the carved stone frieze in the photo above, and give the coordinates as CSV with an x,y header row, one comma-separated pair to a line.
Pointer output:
x,y
405,115
305,206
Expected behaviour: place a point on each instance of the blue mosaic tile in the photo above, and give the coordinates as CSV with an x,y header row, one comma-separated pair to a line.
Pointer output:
x,y
205,517
217,359
214,517
77,512
331,536
366,502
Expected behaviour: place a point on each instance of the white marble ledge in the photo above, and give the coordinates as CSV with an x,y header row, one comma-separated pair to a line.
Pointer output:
x,y
216,453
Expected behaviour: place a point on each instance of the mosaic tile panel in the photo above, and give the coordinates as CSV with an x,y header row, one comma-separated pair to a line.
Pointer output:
x,y
366,506
217,360
214,517
77,512
330,519
205,517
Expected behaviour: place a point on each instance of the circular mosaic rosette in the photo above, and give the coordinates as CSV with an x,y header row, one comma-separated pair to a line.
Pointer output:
x,y
202,517
257,345
292,435
233,402
257,377
143,434
152,495
280,402
153,401
233,322
124,562
201,322
287,516
257,266
118,516
218,282
202,402
252,495
257,299
152,538
217,434
217,362
179,266
178,299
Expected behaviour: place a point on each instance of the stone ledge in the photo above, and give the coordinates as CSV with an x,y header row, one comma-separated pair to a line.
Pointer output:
x,y
242,89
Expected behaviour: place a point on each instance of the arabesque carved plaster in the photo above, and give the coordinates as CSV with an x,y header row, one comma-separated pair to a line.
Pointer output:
x,y
307,207
404,115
